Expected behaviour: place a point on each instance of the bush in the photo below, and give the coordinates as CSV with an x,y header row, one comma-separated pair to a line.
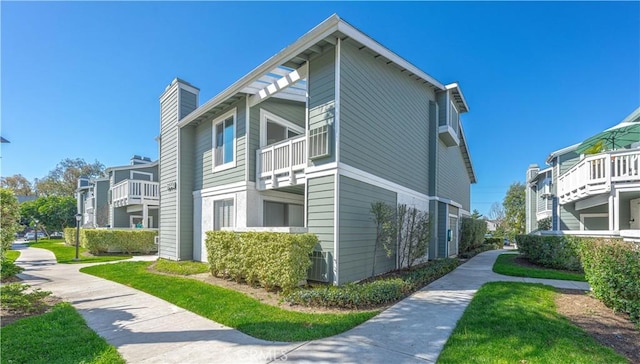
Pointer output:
x,y
496,243
15,298
99,241
557,252
472,233
8,269
612,268
269,259
379,292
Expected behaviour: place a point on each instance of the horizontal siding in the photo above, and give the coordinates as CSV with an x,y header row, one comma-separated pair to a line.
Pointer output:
x,y
204,177
188,102
321,86
453,179
568,160
292,111
187,137
384,120
168,173
358,230
570,218
320,210
441,99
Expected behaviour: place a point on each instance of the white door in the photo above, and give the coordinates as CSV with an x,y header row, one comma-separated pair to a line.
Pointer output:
x,y
635,214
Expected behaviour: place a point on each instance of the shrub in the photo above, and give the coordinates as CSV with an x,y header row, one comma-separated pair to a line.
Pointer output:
x,y
269,259
379,292
558,252
9,216
496,243
472,233
612,268
112,240
15,298
8,269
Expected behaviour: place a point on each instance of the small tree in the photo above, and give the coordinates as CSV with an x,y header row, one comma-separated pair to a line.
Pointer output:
x,y
383,216
414,232
62,180
53,212
9,218
514,210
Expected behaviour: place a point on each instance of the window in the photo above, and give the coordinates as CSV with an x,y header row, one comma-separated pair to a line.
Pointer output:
x,y
282,214
454,118
274,129
224,141
319,142
223,214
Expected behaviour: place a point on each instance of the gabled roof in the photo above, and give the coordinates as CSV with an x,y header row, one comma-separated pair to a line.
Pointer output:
x,y
467,156
561,152
458,97
295,56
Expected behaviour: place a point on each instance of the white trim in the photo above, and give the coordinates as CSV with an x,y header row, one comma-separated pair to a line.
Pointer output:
x,y
582,216
369,178
138,172
336,230
306,143
336,95
221,119
230,188
268,116
320,169
178,132
247,126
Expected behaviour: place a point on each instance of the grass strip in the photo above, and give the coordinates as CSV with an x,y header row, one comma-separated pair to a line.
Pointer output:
x,y
60,336
11,255
183,267
230,307
505,264
66,254
508,322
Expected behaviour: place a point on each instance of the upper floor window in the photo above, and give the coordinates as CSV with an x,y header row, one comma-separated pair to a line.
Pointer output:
x,y
274,129
454,117
224,141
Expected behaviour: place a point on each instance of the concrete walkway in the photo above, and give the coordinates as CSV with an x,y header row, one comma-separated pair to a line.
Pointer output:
x,y
146,329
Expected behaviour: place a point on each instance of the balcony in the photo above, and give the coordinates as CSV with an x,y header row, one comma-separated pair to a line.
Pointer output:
x,y
135,192
281,164
88,204
596,173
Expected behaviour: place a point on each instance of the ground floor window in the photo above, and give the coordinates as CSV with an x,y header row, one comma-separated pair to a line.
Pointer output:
x,y
282,214
223,213
594,221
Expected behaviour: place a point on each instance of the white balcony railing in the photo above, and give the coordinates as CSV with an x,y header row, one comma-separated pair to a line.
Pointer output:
x,y
595,174
134,192
280,162
88,203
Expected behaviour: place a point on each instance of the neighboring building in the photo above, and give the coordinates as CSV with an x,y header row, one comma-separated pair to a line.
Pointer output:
x,y
305,143
127,197
596,194
492,225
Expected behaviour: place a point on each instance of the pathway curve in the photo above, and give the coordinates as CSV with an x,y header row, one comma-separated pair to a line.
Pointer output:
x,y
146,329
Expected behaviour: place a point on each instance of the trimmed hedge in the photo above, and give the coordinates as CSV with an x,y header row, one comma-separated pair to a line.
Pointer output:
x,y
472,233
269,259
496,243
99,241
612,268
557,252
379,292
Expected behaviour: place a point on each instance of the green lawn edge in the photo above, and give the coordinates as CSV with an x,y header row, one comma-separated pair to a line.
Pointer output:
x,y
66,254
12,255
509,322
505,265
229,307
59,336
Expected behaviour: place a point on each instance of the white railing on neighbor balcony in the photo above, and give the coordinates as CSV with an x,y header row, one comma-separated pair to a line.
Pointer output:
x,y
282,158
131,192
88,204
595,174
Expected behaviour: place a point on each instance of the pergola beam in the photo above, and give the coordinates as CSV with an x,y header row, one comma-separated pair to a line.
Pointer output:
x,y
279,85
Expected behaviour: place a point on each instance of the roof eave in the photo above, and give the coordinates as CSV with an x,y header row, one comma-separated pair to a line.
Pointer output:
x,y
454,87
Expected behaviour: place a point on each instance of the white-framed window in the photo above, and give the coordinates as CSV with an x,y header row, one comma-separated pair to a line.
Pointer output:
x,y
224,141
223,213
142,176
274,129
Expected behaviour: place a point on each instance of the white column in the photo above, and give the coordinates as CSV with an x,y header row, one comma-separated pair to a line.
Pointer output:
x,y
614,224
145,215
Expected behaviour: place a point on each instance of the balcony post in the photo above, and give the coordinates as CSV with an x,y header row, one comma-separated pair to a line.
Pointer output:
x,y
145,215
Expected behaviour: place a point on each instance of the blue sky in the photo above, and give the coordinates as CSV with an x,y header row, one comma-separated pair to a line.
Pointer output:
x,y
83,79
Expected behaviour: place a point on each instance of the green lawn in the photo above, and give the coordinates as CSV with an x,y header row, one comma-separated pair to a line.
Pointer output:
x,y
505,265
183,268
12,255
66,254
230,307
60,336
510,322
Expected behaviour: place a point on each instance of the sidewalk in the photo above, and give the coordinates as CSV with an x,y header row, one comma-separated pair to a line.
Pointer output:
x,y
146,329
